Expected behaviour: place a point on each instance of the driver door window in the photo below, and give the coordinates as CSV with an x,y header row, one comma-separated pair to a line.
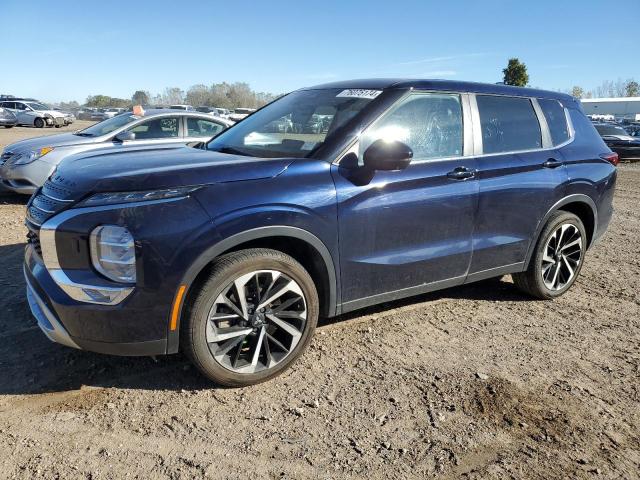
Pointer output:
x,y
157,129
430,124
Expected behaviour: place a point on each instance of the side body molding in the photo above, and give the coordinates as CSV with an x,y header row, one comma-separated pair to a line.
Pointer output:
x,y
254,234
577,197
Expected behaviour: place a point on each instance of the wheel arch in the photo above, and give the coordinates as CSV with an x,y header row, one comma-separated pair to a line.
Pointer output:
x,y
580,205
301,244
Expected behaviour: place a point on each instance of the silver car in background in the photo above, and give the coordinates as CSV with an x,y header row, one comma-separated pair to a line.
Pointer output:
x,y
34,113
26,165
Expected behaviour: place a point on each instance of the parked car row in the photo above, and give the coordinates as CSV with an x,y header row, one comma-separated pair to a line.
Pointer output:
x,y
25,165
625,143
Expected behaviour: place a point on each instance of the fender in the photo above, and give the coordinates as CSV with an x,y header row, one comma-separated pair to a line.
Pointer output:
x,y
577,197
234,240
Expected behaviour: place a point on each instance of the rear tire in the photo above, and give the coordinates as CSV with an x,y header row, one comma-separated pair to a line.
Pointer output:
x,y
39,123
251,319
557,259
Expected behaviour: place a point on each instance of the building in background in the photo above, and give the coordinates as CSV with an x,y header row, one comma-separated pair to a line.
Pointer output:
x,y
623,108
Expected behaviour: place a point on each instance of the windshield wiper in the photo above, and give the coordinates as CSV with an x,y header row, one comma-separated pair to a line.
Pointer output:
x,y
83,134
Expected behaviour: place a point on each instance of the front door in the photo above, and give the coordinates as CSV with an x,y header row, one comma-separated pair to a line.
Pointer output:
x,y
405,232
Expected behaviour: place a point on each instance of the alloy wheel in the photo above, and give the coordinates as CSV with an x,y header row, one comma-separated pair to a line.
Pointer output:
x,y
562,256
256,322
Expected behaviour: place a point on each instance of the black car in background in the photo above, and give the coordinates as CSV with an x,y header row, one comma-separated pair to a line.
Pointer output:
x,y
619,140
7,118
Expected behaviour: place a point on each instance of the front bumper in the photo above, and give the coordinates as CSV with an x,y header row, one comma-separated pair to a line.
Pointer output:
x,y
24,179
43,307
60,274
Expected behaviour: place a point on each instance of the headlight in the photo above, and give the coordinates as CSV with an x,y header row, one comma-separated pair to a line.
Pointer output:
x,y
29,157
129,197
113,253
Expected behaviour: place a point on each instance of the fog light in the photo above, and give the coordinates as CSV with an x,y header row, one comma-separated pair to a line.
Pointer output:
x,y
113,253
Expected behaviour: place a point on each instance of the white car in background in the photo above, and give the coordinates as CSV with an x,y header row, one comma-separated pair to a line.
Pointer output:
x,y
240,113
34,113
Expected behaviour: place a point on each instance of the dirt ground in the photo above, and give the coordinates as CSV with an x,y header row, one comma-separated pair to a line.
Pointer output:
x,y
473,382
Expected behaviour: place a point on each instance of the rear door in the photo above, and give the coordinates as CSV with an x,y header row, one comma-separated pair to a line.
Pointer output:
x,y
521,176
409,231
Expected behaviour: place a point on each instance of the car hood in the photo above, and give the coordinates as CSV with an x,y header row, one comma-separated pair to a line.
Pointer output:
x,y
59,140
147,168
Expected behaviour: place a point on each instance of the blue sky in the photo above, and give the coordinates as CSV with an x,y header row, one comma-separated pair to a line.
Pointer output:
x,y
66,50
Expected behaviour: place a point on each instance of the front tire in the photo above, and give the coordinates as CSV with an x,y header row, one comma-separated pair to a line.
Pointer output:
x,y
252,318
39,123
558,258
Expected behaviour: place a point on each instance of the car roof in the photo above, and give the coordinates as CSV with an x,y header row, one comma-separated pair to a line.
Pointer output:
x,y
152,112
445,85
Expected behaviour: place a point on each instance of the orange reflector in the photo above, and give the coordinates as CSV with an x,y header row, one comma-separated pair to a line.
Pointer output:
x,y
176,307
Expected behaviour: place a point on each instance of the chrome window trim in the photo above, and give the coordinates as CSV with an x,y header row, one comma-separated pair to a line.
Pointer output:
x,y
542,122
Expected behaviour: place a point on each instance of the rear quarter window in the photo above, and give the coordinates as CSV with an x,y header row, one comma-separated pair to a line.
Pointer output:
x,y
508,124
556,120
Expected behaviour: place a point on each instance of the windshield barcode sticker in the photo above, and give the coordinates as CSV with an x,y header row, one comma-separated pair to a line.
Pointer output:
x,y
359,93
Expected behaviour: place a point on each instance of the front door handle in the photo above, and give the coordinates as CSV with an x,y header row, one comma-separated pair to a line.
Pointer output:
x,y
461,173
552,163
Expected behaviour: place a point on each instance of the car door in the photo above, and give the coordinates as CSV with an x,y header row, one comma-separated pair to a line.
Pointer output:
x,y
24,114
409,231
158,130
201,129
520,176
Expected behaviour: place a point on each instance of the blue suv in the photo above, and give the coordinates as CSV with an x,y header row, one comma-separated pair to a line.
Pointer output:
x,y
330,199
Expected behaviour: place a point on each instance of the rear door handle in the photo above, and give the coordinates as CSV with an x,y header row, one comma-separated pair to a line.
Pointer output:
x,y
552,163
461,173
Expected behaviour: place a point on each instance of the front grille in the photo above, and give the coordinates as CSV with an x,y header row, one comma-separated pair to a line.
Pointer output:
x,y
44,204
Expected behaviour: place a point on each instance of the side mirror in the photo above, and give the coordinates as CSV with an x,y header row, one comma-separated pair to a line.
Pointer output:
x,y
125,136
383,155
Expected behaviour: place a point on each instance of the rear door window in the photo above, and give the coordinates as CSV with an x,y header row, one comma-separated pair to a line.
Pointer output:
x,y
198,127
556,120
508,124
430,124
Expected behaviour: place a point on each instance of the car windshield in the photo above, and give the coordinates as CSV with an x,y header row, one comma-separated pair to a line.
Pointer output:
x,y
295,125
38,106
610,130
107,126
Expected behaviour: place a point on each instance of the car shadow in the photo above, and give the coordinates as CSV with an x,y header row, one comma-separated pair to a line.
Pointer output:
x,y
31,364
8,198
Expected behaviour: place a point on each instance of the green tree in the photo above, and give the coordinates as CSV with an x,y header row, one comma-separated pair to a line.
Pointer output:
x,y
632,88
516,73
140,97
577,92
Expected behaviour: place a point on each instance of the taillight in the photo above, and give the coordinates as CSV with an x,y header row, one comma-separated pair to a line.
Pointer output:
x,y
612,158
